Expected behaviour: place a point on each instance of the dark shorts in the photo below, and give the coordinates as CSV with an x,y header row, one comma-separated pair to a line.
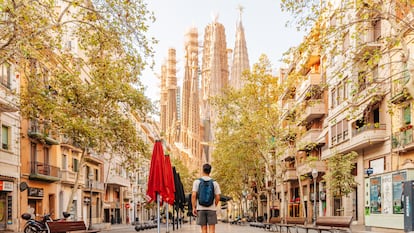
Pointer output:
x,y
206,217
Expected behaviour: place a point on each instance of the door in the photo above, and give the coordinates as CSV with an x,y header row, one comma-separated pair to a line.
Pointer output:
x,y
3,210
52,207
117,215
338,211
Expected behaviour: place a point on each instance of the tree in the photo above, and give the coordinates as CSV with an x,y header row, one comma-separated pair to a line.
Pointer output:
x,y
249,134
80,62
341,181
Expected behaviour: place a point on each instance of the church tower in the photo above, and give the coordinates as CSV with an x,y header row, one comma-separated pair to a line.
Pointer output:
x,y
215,75
190,121
171,96
240,56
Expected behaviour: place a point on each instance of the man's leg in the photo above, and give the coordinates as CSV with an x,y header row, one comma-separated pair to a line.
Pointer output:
x,y
212,228
203,228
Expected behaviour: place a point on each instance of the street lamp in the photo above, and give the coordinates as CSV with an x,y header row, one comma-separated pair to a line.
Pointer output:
x,y
314,176
90,176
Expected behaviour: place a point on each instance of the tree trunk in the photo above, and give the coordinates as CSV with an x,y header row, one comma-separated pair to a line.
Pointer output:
x,y
76,184
302,202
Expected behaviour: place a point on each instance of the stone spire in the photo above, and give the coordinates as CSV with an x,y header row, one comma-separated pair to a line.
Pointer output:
x,y
171,95
194,120
240,56
191,59
215,76
163,99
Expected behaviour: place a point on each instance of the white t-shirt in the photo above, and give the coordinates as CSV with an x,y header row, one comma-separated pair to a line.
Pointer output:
x,y
217,191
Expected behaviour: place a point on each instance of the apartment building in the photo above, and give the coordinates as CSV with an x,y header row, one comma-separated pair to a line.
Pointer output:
x,y
364,106
9,150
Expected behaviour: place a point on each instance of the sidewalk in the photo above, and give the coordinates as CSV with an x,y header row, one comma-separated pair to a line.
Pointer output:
x,y
222,228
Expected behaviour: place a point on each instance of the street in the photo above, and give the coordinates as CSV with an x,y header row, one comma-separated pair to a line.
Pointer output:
x,y
187,228
220,228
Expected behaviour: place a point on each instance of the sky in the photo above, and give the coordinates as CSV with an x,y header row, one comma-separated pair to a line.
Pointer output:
x,y
263,21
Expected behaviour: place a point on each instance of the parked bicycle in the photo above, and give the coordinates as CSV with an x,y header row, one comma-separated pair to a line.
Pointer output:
x,y
35,226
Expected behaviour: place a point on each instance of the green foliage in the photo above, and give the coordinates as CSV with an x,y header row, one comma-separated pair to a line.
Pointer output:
x,y
339,179
89,92
248,130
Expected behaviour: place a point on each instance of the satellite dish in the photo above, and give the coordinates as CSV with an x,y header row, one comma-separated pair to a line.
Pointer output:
x,y
23,186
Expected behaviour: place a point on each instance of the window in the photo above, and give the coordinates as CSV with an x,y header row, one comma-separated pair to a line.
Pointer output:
x,y
64,162
333,134
346,43
405,74
333,98
96,174
339,132
375,73
5,137
407,114
46,154
377,29
362,81
75,165
345,129
5,74
340,93
346,88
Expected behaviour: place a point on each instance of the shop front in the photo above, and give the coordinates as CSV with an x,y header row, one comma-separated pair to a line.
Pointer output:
x,y
6,204
384,199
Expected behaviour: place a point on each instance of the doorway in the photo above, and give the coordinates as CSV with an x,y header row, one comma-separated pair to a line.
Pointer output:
x,y
52,209
338,210
3,210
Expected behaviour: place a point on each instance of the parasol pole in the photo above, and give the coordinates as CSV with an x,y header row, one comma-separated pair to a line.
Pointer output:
x,y
168,230
158,212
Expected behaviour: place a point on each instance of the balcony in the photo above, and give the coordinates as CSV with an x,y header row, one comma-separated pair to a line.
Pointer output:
x,y
307,167
313,111
37,131
290,174
7,106
93,158
363,137
69,177
117,180
311,136
402,141
368,40
44,172
96,185
399,90
310,86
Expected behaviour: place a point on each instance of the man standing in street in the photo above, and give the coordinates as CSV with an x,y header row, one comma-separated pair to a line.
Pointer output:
x,y
206,213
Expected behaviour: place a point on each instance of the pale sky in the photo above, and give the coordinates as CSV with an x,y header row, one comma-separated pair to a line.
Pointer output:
x,y
263,22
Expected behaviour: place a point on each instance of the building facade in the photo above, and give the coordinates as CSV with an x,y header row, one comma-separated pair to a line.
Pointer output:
x,y
10,149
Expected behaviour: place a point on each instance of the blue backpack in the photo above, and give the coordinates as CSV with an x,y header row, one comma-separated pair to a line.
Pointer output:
x,y
206,192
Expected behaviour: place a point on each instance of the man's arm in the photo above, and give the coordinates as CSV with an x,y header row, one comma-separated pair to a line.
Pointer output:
x,y
194,203
217,199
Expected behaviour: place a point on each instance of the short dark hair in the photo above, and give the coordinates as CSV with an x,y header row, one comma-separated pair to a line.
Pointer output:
x,y
207,168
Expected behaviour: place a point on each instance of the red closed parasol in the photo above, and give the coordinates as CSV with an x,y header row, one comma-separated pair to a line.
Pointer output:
x,y
168,182
156,177
156,186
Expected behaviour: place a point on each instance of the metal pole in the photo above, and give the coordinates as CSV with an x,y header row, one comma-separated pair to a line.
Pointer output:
x,y
314,200
168,218
314,176
90,205
158,212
